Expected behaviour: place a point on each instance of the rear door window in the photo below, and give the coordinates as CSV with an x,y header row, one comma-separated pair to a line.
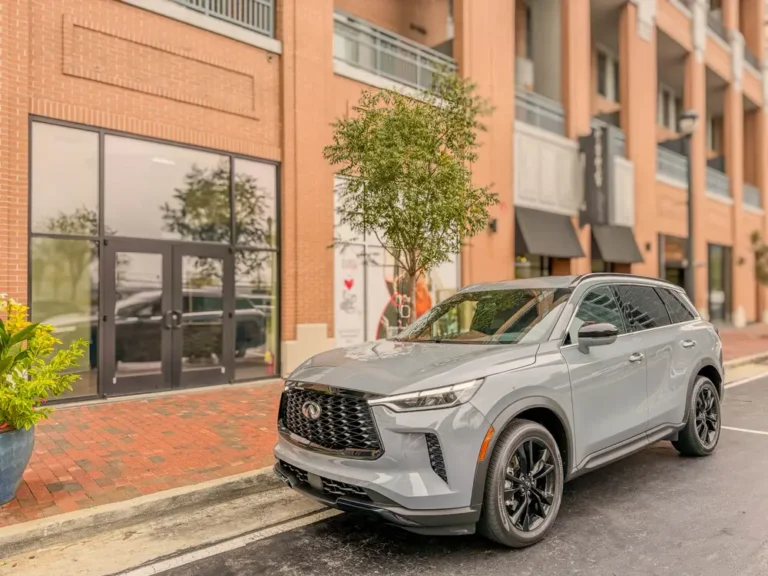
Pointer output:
x,y
643,307
678,311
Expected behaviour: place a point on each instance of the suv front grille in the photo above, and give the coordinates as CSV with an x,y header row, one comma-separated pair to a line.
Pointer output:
x,y
344,424
436,456
330,487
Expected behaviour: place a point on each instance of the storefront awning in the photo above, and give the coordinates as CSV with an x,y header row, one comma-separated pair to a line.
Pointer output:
x,y
545,234
615,244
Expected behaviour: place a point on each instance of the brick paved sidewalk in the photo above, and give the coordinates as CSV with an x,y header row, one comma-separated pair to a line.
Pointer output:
x,y
90,455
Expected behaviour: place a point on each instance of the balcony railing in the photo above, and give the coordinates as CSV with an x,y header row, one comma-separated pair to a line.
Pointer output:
x,y
539,111
257,15
715,23
671,164
618,136
363,45
717,182
752,196
751,58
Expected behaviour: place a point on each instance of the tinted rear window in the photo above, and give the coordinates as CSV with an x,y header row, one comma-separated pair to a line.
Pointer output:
x,y
643,307
678,311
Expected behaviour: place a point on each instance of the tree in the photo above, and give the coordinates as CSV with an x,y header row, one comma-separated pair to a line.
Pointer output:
x,y
201,213
407,166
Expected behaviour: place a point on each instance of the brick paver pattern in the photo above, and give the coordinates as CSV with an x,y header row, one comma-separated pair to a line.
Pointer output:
x,y
90,455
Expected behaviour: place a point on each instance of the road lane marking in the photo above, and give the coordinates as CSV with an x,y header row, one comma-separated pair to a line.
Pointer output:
x,y
228,545
760,432
746,380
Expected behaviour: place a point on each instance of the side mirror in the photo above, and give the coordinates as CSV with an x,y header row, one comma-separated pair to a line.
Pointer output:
x,y
600,334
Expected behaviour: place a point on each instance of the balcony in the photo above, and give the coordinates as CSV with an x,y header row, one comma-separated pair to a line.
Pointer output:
x,y
715,23
718,183
539,111
376,50
752,196
256,15
752,59
618,136
672,165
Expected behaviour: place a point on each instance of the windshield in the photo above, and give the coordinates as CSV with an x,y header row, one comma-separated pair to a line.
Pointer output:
x,y
522,316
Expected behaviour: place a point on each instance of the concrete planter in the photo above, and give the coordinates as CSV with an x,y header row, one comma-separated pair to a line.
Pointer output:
x,y
15,452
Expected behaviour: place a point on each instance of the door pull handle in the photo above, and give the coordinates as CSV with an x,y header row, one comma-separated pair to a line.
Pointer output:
x,y
688,344
167,320
177,318
636,357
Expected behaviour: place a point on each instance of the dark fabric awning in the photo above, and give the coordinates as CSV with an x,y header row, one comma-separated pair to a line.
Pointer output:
x,y
615,244
545,234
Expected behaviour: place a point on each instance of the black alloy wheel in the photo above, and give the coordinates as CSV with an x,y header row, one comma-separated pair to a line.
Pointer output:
x,y
701,433
529,485
707,416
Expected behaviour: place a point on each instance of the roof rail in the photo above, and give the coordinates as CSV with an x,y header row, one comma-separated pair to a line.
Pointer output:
x,y
579,279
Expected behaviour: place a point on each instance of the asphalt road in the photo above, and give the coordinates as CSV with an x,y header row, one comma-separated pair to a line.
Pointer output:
x,y
655,513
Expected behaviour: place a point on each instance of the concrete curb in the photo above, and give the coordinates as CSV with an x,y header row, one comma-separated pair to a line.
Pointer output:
x,y
83,523
736,362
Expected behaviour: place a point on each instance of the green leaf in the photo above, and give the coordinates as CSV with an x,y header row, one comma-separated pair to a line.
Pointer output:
x,y
5,364
23,335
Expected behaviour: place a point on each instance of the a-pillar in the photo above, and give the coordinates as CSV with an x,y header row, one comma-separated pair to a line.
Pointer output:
x,y
576,74
637,54
484,48
306,31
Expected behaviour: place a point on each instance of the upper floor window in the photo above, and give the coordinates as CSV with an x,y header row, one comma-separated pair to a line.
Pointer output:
x,y
667,108
607,75
713,134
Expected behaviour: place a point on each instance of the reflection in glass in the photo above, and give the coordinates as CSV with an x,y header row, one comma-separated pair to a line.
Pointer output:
x,y
202,312
138,314
159,191
256,293
65,180
65,294
255,193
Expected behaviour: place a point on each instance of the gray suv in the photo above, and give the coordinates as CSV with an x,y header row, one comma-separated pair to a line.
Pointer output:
x,y
477,413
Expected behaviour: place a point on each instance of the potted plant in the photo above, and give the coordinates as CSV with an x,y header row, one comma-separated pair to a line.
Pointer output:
x,y
30,373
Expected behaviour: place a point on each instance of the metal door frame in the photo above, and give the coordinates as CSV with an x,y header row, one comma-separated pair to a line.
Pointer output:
x,y
108,361
203,377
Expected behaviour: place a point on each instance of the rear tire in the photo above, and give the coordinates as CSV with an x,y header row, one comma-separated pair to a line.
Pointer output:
x,y
522,501
702,429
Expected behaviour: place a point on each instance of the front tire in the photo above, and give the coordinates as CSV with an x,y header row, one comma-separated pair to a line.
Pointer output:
x,y
524,486
702,430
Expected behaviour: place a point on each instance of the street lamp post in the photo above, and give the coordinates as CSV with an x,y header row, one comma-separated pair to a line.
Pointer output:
x,y
688,121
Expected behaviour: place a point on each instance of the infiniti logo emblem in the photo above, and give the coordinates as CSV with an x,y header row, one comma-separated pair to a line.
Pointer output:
x,y
311,410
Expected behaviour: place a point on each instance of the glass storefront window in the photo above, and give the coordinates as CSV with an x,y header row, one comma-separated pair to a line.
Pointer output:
x,y
65,180
65,293
719,283
255,202
531,266
256,314
154,190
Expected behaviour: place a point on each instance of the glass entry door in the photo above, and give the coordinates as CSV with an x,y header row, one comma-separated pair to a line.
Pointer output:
x,y
168,320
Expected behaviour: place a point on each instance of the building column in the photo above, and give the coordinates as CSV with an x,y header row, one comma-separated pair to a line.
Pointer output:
x,y
576,83
761,168
638,81
14,146
306,31
484,48
695,98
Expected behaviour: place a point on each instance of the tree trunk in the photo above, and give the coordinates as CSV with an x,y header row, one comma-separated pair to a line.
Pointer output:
x,y
412,294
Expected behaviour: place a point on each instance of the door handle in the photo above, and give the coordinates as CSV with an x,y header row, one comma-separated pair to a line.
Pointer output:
x,y
177,318
167,317
636,357
688,344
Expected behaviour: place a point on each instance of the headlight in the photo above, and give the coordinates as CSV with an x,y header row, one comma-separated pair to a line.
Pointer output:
x,y
429,399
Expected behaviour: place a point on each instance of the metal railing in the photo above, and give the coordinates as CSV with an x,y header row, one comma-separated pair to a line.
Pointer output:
x,y
672,164
717,182
377,50
539,111
618,136
257,15
752,59
752,196
715,23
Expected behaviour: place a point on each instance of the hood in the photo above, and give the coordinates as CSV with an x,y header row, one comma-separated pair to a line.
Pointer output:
x,y
388,367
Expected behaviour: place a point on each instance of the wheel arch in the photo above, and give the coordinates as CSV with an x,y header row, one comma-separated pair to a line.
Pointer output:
x,y
540,409
707,368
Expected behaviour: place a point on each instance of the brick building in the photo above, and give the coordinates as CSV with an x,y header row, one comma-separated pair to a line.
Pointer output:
x,y
163,193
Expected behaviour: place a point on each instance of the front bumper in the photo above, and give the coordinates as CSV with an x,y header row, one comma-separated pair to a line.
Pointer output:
x,y
454,521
